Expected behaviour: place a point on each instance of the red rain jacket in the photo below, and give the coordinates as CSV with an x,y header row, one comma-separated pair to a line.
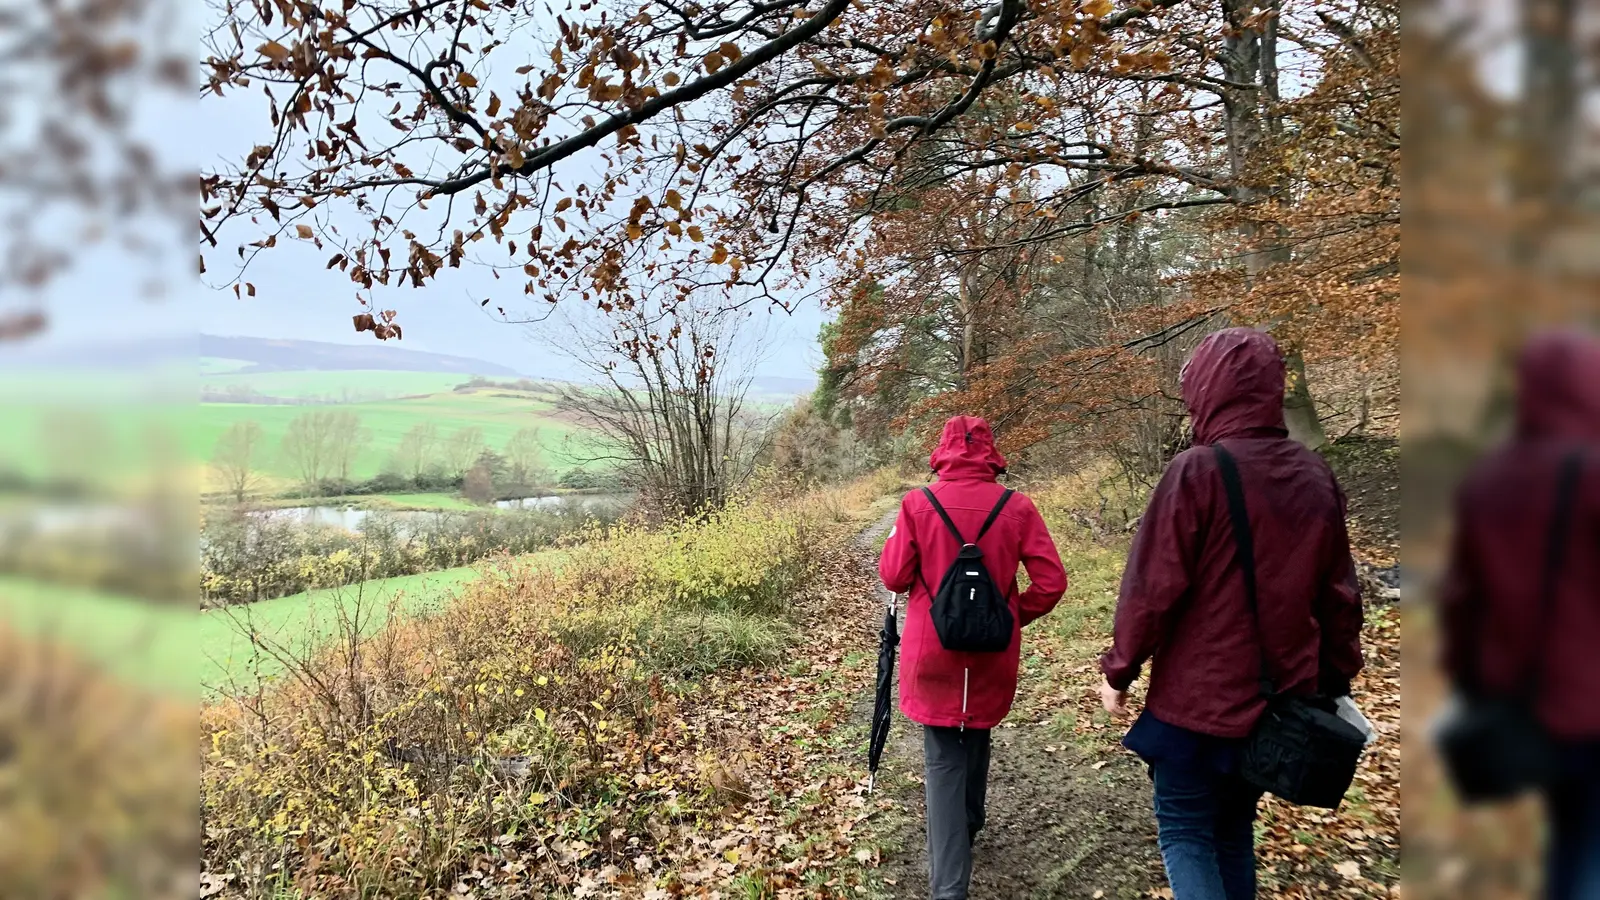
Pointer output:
x,y
975,690
1489,602
1182,605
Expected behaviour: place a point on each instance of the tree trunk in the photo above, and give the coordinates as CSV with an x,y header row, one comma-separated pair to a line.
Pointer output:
x,y
1299,411
1251,60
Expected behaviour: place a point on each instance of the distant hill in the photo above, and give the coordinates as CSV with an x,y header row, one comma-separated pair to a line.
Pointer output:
x,y
275,355
783,386
242,355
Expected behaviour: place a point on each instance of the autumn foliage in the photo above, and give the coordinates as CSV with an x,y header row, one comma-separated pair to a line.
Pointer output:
x,y
634,152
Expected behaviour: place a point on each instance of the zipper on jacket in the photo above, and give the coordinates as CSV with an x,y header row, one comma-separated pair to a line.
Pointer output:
x,y
965,676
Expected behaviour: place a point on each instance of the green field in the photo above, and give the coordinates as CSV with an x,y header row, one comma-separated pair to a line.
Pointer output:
x,y
106,443
179,650
116,431
498,414
356,385
211,365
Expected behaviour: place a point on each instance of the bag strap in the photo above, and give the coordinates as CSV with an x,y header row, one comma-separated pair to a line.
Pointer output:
x,y
1555,552
945,516
993,514
1244,542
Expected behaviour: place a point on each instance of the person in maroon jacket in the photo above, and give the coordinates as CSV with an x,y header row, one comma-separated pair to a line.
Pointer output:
x,y
959,697
1183,608
1496,629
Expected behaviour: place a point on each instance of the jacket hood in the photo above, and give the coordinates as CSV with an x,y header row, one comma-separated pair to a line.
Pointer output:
x,y
1233,385
1558,386
967,450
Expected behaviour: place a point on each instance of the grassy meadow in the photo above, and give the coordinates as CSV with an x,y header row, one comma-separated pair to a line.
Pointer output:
x,y
69,425
176,650
355,385
498,414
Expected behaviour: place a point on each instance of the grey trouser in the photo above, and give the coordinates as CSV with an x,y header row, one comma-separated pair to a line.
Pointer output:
x,y
957,779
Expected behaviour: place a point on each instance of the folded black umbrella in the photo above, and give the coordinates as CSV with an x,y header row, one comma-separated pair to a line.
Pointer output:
x,y
883,702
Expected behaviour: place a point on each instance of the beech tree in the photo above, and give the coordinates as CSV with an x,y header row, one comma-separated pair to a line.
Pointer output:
x,y
633,153
732,142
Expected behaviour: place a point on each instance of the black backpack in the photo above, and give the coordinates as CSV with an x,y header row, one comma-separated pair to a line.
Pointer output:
x,y
970,614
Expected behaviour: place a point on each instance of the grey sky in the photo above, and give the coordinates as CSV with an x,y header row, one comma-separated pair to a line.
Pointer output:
x,y
106,297
298,297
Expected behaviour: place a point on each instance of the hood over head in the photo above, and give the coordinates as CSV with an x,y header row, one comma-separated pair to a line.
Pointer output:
x,y
967,450
1558,386
1233,386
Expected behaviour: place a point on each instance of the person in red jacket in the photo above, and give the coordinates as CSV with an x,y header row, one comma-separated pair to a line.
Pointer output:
x,y
959,697
1496,629
1183,608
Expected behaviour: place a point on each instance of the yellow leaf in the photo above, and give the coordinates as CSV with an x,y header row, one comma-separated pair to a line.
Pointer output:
x,y
670,79
635,231
695,234
674,199
304,231
719,255
1098,9
466,79
274,51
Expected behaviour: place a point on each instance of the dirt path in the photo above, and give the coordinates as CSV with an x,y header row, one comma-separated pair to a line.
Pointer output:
x,y
1066,818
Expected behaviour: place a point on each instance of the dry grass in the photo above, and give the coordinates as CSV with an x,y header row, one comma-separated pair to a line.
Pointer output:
x,y
96,782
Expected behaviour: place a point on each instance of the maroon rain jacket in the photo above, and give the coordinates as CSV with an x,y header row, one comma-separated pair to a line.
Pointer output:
x,y
1183,604
1490,598
937,686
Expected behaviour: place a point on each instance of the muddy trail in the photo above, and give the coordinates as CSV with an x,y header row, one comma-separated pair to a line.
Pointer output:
x,y
1064,820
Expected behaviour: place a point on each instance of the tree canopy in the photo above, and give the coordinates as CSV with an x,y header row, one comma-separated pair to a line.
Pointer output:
x,y
1004,202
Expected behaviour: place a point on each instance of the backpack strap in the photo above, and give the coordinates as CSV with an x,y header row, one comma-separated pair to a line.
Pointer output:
x,y
993,514
1245,547
946,517
1555,552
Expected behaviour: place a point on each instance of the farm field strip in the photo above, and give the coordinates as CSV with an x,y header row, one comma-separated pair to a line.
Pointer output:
x,y
180,650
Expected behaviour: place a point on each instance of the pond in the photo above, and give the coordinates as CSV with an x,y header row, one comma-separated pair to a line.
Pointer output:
x,y
350,518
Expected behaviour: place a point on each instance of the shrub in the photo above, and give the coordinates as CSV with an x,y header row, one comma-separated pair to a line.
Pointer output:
x,y
143,550
248,556
585,480
97,781
525,711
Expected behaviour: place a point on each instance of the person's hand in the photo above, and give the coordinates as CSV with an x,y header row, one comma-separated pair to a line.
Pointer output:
x,y
1115,701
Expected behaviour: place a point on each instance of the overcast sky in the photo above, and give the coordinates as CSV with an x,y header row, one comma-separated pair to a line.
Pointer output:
x,y
106,298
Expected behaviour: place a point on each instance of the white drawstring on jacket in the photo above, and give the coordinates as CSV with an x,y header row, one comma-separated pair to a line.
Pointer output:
x,y
965,676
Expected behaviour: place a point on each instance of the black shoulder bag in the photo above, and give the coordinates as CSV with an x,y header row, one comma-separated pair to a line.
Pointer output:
x,y
1495,747
1299,750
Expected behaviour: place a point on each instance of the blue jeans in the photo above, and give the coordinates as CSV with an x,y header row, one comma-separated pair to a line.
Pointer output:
x,y
1206,822
1574,812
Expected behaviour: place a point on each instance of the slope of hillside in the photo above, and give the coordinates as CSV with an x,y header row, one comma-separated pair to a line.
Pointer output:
x,y
267,354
